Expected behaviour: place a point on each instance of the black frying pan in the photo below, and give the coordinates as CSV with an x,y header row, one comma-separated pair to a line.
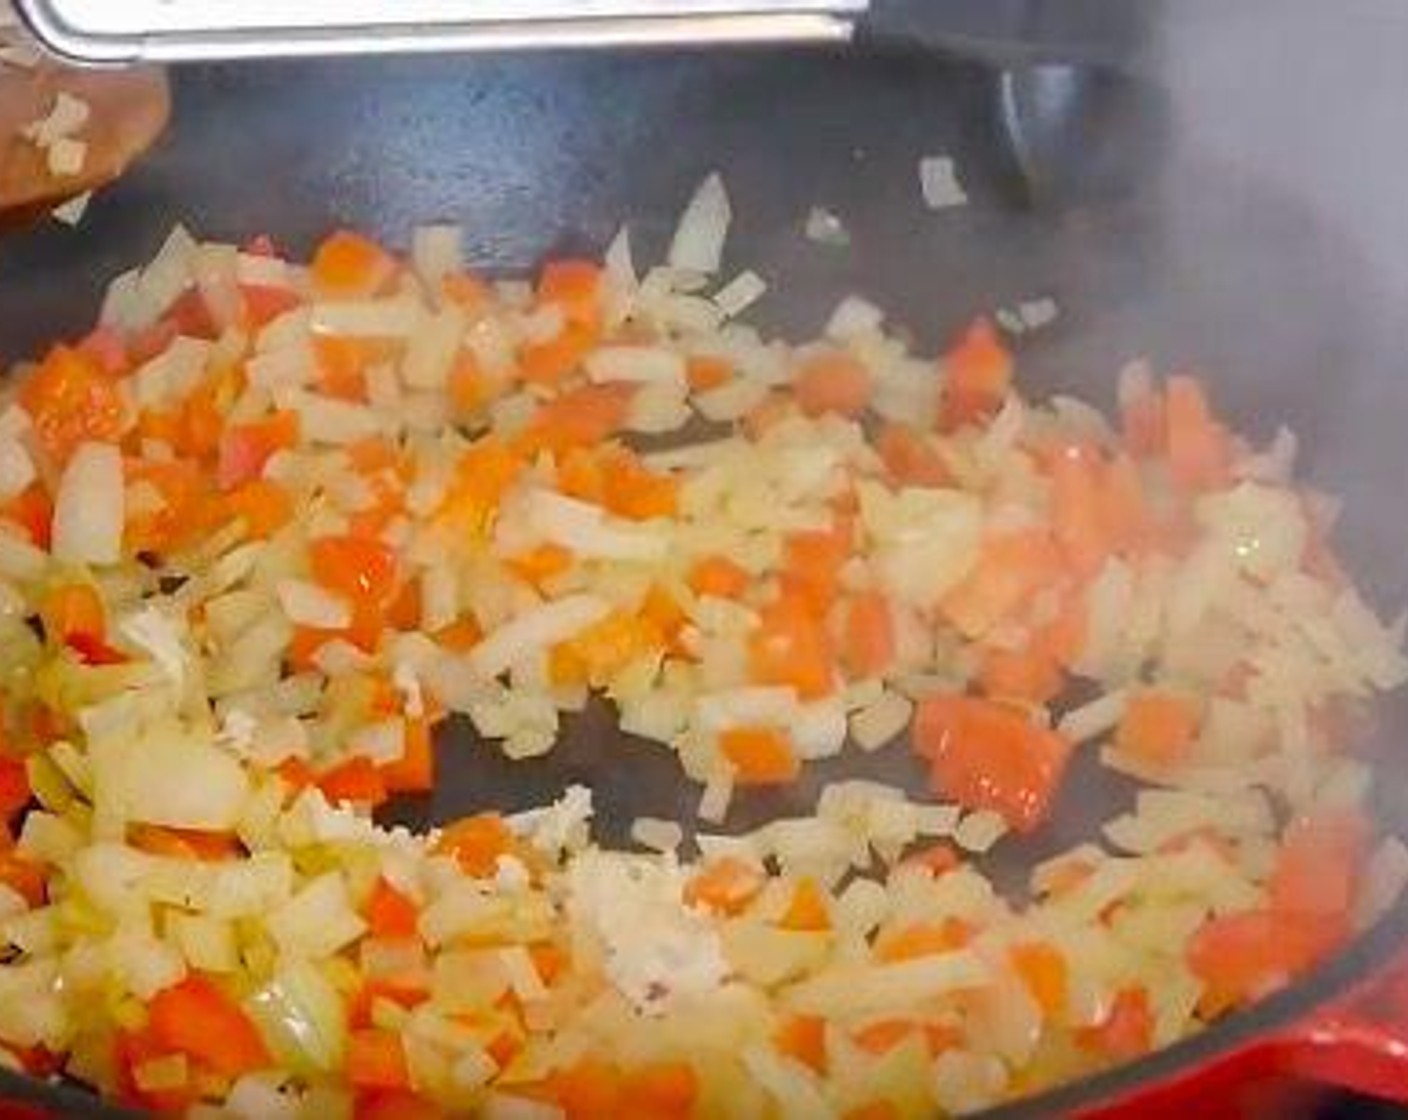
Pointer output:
x,y
1177,254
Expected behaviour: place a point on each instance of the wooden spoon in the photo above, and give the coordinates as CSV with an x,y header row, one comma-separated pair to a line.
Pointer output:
x,y
128,111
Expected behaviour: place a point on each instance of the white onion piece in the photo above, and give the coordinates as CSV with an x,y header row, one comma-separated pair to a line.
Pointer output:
x,y
535,630
938,180
170,778
636,364
740,293
88,510
16,467
310,604
698,245
586,530
436,252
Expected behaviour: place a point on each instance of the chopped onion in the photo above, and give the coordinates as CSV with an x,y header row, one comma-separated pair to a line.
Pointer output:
x,y
437,252
317,921
636,364
938,181
168,777
825,228
740,293
853,316
584,528
311,604
88,510
533,631
698,244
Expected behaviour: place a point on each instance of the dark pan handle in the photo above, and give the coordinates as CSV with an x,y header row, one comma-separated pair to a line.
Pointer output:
x,y
1009,33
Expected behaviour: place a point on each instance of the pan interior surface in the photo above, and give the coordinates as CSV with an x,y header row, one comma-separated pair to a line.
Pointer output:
x,y
1234,278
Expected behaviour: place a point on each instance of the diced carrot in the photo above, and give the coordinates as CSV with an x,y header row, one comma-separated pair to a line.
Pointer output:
x,y
1028,675
1244,956
348,264
389,913
396,1104
342,366
376,1059
32,511
1159,726
1319,866
470,387
180,488
705,372
26,877
1077,515
70,402
246,448
459,636
540,563
607,646
15,793
72,609
1012,567
581,417
547,363
807,912
923,939
588,1090
1128,1030
833,382
186,843
264,303
663,613
1043,970
549,961
726,885
761,756
662,1088
404,610
987,756
883,1036
574,286
977,375
356,780
198,1019
191,316
910,458
869,645
414,771
363,571
485,471
1199,448
790,647
264,507
477,843
803,1038
719,577
811,562
632,490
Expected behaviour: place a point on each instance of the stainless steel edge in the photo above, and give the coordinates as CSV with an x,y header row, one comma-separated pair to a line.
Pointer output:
x,y
85,45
